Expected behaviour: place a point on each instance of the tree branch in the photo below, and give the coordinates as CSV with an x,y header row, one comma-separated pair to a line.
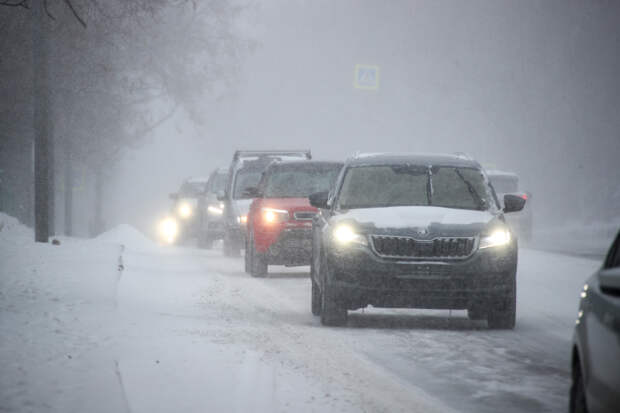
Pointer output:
x,y
20,3
75,13
47,11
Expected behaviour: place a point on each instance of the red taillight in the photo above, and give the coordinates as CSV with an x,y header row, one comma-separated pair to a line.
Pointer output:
x,y
524,196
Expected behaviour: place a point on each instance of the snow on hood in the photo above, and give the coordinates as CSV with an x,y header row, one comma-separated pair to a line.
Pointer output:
x,y
126,235
417,217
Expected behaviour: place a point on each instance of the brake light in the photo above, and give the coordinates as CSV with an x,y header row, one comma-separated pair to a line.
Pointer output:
x,y
524,196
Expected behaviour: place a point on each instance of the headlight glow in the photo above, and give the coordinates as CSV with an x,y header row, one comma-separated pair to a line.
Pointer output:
x,y
498,238
168,230
274,216
185,210
344,235
214,210
242,219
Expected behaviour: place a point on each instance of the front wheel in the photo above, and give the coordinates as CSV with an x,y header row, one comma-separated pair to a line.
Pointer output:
x,y
333,313
258,262
316,299
578,393
503,310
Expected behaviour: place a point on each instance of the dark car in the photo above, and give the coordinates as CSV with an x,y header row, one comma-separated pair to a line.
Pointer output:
x,y
212,209
245,172
414,231
280,218
186,207
596,341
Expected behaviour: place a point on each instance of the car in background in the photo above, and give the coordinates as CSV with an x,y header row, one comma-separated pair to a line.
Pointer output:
x,y
595,363
245,172
185,207
413,231
508,183
279,228
212,209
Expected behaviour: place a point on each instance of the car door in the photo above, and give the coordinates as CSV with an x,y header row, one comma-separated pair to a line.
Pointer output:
x,y
603,332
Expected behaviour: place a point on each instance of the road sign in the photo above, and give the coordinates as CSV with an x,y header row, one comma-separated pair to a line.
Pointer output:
x,y
366,77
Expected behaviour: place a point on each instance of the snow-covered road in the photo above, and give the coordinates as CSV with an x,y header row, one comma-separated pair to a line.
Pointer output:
x,y
182,329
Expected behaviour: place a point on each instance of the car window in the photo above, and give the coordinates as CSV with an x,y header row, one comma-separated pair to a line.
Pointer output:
x,y
459,187
299,182
414,185
246,178
192,189
613,256
218,182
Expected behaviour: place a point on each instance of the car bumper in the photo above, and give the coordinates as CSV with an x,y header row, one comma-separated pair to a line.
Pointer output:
x,y
359,277
291,246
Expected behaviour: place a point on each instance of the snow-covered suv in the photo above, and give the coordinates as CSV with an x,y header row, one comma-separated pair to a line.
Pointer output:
x,y
414,231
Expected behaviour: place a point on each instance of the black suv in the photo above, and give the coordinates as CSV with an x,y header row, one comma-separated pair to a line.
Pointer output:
x,y
414,231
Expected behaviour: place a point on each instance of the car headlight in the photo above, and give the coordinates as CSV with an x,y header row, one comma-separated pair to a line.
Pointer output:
x,y
215,210
169,229
242,219
185,210
274,216
345,235
497,238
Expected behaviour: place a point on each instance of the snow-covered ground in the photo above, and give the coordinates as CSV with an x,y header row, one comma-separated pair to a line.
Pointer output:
x,y
184,329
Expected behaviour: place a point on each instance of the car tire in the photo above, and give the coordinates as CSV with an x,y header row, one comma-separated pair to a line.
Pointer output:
x,y
259,266
316,299
247,258
503,311
476,313
577,392
333,313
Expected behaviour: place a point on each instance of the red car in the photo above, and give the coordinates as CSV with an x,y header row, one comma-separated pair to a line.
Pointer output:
x,y
279,228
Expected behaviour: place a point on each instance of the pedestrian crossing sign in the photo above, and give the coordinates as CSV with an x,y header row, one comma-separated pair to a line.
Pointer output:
x,y
366,77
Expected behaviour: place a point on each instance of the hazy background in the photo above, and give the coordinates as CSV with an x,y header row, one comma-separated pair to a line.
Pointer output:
x,y
526,86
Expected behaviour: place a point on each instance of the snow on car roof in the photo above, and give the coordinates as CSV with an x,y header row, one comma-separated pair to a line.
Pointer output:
x,y
495,172
413,158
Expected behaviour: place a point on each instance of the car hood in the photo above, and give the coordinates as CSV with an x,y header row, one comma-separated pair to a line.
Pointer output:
x,y
288,203
419,221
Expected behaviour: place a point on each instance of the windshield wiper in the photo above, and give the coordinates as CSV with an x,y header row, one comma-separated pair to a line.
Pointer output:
x,y
481,203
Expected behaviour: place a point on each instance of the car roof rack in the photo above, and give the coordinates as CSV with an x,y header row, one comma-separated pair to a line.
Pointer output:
x,y
241,154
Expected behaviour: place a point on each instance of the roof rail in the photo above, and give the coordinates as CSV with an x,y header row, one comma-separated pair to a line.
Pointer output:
x,y
463,155
240,154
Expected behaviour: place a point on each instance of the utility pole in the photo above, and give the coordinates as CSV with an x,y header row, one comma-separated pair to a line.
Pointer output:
x,y
41,122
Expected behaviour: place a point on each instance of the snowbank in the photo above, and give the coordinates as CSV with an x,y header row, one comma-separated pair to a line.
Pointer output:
x,y
126,235
12,229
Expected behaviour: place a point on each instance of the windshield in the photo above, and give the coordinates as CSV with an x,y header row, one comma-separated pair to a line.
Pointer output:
x,y
298,181
246,178
504,184
192,189
413,185
218,182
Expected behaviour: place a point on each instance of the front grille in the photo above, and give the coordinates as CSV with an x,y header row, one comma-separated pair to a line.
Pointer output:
x,y
407,247
304,215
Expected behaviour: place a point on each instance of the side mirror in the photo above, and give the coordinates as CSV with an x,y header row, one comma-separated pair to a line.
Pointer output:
x,y
319,200
609,280
251,192
513,203
220,195
174,196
